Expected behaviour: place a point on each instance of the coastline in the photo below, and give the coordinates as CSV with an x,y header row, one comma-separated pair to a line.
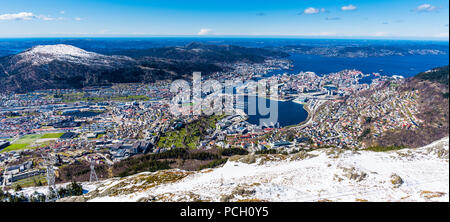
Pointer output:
x,y
304,106
269,98
308,118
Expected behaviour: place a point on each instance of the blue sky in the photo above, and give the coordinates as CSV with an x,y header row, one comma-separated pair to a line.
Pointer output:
x,y
403,19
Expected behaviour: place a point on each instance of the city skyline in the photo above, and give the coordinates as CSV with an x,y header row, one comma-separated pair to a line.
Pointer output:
x,y
286,18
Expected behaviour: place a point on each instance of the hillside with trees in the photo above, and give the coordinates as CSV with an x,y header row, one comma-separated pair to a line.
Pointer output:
x,y
433,109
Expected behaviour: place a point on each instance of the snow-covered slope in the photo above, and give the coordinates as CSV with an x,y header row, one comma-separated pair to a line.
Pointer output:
x,y
324,175
59,50
407,175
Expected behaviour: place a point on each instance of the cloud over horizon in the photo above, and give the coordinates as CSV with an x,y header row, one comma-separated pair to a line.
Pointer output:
x,y
26,16
204,31
17,16
332,18
348,8
236,18
311,10
425,8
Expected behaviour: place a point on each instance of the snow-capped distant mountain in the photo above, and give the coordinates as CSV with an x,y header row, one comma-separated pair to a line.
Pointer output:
x,y
60,66
59,50
66,66
45,54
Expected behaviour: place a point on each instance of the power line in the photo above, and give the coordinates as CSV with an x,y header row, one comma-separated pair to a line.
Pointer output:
x,y
93,177
52,194
4,178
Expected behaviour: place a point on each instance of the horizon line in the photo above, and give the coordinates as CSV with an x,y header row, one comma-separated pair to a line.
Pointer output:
x,y
424,38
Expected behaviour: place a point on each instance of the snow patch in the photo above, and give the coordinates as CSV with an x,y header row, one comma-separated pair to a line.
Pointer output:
x,y
361,176
59,50
420,174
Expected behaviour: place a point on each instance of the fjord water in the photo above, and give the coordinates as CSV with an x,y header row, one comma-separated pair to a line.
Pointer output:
x,y
288,112
406,66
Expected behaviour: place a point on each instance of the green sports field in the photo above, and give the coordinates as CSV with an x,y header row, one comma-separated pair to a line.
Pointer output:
x,y
15,146
26,141
52,135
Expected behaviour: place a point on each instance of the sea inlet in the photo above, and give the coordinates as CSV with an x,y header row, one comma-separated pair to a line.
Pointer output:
x,y
288,113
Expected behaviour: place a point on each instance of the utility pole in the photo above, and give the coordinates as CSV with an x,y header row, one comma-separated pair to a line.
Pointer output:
x,y
93,177
52,194
4,177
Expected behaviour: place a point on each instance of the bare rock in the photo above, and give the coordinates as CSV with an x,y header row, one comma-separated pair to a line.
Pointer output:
x,y
396,180
73,199
353,174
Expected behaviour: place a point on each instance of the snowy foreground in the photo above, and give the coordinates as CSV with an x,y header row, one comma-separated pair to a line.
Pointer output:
x,y
407,175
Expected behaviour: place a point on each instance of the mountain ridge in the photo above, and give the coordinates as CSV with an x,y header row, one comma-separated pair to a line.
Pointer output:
x,y
65,66
432,110
439,74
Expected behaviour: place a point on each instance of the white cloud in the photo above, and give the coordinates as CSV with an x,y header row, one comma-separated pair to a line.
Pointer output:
x,y
314,34
204,31
381,34
442,35
332,18
62,12
103,31
17,16
348,8
45,18
311,10
78,19
27,16
139,33
425,8
324,34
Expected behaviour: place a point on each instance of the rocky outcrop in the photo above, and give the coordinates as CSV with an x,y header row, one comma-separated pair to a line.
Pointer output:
x,y
354,174
73,199
396,180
